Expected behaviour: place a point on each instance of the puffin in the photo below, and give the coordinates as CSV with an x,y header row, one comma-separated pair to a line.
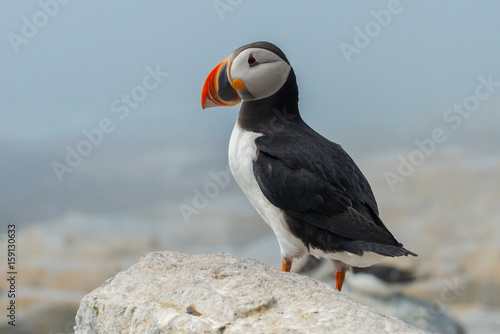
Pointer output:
x,y
305,187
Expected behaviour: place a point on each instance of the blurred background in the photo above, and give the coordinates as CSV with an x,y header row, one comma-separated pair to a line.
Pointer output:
x,y
106,153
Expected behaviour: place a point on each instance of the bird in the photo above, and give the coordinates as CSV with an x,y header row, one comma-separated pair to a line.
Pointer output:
x,y
305,187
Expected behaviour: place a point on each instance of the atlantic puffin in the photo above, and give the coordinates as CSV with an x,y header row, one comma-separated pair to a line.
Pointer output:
x,y
305,187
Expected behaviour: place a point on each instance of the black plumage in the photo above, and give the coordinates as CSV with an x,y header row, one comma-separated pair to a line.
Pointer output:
x,y
327,201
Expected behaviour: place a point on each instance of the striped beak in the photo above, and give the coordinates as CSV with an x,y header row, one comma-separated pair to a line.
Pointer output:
x,y
219,89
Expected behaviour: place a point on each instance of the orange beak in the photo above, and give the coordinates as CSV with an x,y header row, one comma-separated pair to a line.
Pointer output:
x,y
219,89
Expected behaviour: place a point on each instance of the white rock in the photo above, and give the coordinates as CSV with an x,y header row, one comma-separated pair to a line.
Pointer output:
x,y
170,292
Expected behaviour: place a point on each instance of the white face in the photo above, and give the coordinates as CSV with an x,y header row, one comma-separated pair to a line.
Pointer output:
x,y
262,71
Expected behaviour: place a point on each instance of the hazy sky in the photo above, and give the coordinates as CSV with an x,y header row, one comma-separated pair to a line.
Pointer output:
x,y
65,68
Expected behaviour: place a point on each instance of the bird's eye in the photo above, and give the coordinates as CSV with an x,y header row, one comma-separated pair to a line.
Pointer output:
x,y
252,61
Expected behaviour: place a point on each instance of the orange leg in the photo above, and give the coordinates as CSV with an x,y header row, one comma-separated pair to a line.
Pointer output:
x,y
286,264
339,279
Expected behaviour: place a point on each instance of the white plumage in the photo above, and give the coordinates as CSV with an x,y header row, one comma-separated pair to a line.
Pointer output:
x,y
242,152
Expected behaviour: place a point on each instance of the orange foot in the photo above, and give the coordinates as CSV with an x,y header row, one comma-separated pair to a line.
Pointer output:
x,y
286,264
339,279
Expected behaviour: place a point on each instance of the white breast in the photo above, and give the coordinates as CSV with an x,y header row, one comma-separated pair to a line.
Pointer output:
x,y
242,153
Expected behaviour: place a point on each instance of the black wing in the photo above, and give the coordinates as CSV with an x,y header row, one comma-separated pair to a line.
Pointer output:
x,y
315,180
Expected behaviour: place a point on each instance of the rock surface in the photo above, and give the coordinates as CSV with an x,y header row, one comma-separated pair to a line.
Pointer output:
x,y
170,292
386,296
